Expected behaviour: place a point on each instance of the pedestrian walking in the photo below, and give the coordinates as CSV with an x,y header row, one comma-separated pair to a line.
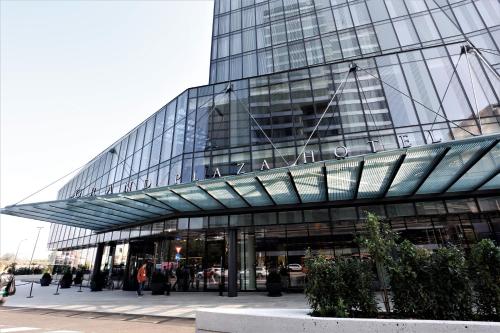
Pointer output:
x,y
7,284
141,279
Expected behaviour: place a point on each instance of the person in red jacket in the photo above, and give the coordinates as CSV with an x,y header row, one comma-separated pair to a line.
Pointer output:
x,y
141,279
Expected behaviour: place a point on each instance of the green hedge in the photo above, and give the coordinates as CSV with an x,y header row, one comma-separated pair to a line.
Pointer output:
x,y
442,284
340,288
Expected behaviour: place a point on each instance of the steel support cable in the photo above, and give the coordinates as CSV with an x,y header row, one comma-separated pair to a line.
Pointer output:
x,y
453,22
467,38
486,49
481,85
324,112
419,103
336,106
154,138
369,108
260,128
486,63
490,52
52,183
446,90
474,92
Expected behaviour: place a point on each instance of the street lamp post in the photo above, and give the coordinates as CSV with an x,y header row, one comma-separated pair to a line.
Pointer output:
x,y
34,247
18,246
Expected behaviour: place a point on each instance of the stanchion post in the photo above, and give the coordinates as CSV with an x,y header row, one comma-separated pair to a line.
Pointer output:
x,y
57,290
31,291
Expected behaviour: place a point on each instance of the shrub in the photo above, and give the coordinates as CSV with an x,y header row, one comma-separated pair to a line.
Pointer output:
x,y
450,288
78,278
485,277
325,287
410,281
273,277
380,241
273,283
357,277
46,279
66,280
339,288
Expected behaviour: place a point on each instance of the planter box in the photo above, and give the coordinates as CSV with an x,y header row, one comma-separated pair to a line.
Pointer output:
x,y
45,282
157,288
298,320
273,289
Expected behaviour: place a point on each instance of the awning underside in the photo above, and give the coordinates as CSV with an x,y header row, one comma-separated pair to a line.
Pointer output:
x,y
469,165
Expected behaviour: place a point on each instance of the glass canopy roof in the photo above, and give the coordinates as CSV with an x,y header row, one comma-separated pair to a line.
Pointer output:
x,y
468,165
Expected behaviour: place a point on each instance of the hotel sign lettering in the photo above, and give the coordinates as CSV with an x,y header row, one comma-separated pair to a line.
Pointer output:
x,y
340,152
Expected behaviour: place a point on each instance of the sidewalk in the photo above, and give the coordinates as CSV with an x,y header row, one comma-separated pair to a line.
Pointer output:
x,y
178,304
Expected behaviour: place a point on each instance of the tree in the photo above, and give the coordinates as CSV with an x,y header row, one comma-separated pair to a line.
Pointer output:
x,y
380,241
411,283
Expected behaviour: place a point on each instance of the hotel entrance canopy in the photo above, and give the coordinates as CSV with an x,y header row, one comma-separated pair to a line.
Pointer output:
x,y
437,170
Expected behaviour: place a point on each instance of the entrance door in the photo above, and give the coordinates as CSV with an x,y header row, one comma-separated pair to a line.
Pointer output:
x,y
139,251
215,266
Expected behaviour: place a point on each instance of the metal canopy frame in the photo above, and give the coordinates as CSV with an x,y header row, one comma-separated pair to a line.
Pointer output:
x,y
448,169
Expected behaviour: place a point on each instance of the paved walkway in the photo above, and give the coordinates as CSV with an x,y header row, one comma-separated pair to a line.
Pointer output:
x,y
178,304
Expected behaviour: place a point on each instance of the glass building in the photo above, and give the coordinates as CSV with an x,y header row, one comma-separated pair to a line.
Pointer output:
x,y
317,111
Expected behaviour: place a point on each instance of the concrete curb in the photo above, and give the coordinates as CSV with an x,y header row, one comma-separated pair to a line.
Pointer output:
x,y
298,320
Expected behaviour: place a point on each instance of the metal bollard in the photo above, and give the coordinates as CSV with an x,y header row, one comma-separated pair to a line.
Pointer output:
x,y
221,289
80,290
31,290
57,290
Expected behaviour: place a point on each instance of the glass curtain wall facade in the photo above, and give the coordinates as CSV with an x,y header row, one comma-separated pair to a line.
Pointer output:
x,y
255,37
284,60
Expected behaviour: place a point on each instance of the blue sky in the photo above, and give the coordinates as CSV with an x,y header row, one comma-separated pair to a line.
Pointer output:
x,y
77,75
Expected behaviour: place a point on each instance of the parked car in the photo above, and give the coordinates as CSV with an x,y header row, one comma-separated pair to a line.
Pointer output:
x,y
295,267
260,271
212,271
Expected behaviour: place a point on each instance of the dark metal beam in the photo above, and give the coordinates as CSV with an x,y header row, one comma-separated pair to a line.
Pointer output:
x,y
163,203
188,201
265,190
48,218
125,205
62,211
437,159
91,215
470,163
115,217
394,172
142,202
487,179
290,176
211,196
118,210
325,181
238,194
358,178
71,217
73,222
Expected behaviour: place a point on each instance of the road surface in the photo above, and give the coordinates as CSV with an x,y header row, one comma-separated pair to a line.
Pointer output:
x,y
20,320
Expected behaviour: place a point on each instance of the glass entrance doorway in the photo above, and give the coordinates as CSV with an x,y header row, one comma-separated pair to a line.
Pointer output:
x,y
140,251
215,268
193,262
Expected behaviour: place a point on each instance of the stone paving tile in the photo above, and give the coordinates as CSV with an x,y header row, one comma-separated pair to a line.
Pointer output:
x,y
178,304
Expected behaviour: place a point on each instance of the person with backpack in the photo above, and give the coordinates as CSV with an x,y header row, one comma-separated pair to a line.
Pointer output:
x,y
7,284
